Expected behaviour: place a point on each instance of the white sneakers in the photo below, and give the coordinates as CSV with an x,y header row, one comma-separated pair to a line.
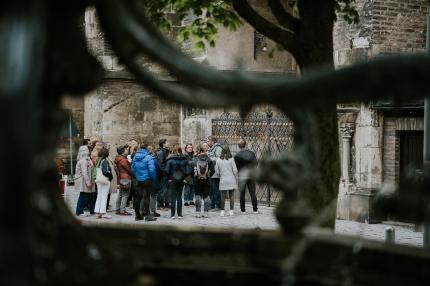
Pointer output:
x,y
180,217
257,212
230,212
173,217
204,215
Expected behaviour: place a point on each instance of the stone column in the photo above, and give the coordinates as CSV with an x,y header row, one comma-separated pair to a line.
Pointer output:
x,y
347,130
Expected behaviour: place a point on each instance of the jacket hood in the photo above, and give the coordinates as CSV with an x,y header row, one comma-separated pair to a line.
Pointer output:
x,y
141,154
215,144
119,158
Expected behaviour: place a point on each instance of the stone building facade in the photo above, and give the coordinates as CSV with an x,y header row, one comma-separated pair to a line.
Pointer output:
x,y
378,139
121,110
371,134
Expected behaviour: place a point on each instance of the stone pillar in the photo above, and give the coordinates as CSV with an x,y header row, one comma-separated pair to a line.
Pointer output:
x,y
347,130
368,164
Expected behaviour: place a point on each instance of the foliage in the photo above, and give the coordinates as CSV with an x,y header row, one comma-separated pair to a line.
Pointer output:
x,y
347,9
199,19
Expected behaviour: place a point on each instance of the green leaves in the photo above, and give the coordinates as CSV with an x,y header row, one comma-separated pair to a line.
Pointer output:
x,y
347,9
199,19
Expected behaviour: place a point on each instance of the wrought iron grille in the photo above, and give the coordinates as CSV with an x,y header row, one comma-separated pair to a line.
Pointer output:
x,y
266,133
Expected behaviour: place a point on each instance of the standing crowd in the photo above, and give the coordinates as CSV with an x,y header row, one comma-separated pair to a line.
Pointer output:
x,y
163,178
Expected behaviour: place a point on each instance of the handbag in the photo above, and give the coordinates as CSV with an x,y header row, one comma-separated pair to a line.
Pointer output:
x,y
100,178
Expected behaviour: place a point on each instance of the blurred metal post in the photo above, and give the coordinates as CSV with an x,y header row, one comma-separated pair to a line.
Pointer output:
x,y
269,115
71,145
390,235
426,151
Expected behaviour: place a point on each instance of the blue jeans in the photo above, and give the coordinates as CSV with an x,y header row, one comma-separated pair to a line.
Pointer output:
x,y
176,196
189,193
215,195
163,194
85,200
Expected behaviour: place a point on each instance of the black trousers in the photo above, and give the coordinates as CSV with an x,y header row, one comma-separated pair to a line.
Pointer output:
x,y
141,198
202,187
251,189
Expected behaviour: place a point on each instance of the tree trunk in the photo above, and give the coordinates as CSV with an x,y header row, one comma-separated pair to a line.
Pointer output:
x,y
314,49
316,40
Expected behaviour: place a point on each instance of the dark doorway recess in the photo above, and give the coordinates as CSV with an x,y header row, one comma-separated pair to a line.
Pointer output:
x,y
411,152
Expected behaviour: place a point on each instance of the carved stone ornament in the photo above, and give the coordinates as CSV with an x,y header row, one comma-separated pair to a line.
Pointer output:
x,y
347,129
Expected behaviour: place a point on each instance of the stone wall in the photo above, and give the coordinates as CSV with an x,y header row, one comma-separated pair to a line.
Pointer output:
x,y
121,110
385,27
399,26
232,49
143,115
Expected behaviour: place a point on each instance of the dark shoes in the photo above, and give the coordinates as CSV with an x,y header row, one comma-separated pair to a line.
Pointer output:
x,y
150,218
156,214
124,213
137,218
186,204
192,204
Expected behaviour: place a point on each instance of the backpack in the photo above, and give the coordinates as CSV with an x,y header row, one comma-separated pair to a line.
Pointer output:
x,y
178,173
202,167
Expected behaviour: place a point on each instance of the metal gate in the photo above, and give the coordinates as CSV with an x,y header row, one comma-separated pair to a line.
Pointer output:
x,y
264,132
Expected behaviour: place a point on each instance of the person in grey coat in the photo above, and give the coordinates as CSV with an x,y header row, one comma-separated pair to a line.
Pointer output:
x,y
84,183
226,171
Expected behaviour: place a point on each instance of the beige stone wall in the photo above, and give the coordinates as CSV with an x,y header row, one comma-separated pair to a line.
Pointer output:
x,y
141,114
121,110
234,48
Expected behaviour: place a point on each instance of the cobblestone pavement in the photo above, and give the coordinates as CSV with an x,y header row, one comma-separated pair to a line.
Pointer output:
x,y
403,235
264,220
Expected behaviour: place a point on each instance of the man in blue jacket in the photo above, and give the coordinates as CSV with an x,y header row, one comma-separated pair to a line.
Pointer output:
x,y
143,168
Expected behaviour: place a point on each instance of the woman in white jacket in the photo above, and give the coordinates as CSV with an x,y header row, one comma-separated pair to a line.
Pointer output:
x,y
226,170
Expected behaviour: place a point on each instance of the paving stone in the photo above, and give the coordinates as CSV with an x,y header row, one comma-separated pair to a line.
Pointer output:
x,y
265,220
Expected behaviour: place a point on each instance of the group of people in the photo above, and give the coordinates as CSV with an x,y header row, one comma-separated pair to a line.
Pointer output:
x,y
156,179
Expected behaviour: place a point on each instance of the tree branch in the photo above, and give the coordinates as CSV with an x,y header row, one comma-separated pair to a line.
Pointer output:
x,y
284,18
408,75
280,36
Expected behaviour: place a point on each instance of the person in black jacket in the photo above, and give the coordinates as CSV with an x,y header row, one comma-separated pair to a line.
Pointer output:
x,y
161,156
243,159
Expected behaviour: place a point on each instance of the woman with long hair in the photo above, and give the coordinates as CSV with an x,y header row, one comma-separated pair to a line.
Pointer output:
x,y
103,184
156,184
176,170
189,180
226,171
